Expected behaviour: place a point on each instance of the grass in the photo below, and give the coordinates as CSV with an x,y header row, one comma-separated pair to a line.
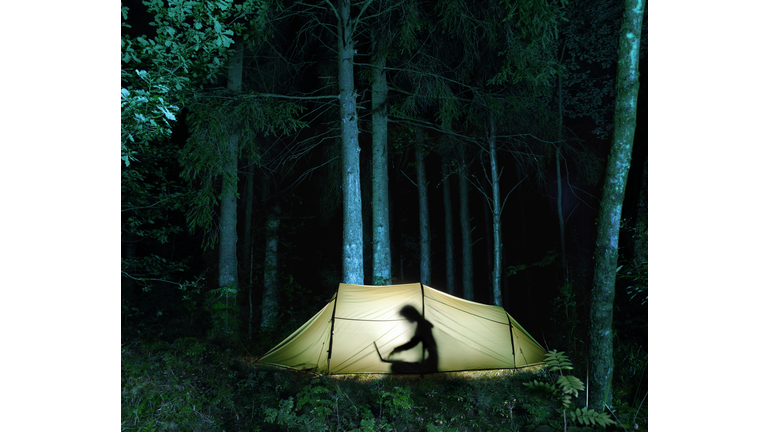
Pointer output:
x,y
189,385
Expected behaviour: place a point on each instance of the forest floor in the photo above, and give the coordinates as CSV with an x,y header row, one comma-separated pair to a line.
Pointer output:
x,y
189,385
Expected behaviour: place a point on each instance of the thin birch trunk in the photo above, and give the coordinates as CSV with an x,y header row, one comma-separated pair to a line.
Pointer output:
x,y
496,214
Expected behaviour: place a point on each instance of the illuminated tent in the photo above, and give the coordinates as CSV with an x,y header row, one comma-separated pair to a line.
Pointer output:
x,y
340,338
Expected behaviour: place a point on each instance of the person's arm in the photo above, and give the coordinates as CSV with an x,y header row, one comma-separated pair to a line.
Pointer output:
x,y
406,346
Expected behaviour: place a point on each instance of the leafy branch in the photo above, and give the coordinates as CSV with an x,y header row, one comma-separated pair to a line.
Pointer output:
x,y
568,386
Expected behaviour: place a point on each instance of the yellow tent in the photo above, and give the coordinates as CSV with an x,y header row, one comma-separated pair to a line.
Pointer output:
x,y
340,338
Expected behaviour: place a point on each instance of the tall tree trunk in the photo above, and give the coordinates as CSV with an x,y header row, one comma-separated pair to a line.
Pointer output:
x,y
228,217
488,241
382,260
450,278
246,253
271,266
352,242
609,218
496,213
421,183
560,220
467,272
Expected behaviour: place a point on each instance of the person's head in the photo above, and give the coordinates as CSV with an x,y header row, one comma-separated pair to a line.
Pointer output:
x,y
410,313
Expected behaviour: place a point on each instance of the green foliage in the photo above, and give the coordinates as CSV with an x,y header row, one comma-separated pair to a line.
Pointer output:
x,y
532,30
188,50
174,387
215,118
557,361
222,305
586,417
568,386
636,270
189,385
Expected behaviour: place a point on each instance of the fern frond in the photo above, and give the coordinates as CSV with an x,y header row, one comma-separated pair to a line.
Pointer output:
x,y
566,401
541,387
558,361
570,384
587,417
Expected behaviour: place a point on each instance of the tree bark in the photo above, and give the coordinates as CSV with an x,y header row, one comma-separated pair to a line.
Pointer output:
x,y
609,218
467,272
382,260
496,214
247,251
352,241
450,277
421,183
228,217
271,266
560,220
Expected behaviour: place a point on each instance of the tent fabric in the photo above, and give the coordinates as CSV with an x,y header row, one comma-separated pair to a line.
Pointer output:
x,y
339,338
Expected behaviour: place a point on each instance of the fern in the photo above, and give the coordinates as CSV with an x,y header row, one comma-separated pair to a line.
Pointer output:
x,y
589,416
558,361
541,387
568,387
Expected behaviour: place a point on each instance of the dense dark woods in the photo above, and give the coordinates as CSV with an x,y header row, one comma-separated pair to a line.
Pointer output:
x,y
273,149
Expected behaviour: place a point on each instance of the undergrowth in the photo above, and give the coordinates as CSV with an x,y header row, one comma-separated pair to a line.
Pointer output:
x,y
194,386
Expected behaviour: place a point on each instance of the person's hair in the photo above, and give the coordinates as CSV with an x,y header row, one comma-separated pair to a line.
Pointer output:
x,y
410,313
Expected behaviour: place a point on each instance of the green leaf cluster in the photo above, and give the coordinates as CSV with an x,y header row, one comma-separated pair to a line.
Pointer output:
x,y
189,49
217,117
568,386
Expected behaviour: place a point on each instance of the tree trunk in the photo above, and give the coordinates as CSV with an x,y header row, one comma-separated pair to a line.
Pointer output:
x,y
496,214
467,272
246,253
488,241
609,218
421,183
228,217
560,220
382,260
352,242
271,266
450,278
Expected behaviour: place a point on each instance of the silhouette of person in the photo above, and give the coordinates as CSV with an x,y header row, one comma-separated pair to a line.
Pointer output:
x,y
428,363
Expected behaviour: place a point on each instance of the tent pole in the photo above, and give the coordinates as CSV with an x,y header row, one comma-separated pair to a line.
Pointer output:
x,y
333,321
422,300
512,338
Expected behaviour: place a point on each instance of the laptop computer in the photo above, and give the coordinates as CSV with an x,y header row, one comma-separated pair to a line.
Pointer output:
x,y
382,358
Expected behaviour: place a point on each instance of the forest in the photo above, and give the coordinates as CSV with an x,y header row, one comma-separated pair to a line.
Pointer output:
x,y
495,150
